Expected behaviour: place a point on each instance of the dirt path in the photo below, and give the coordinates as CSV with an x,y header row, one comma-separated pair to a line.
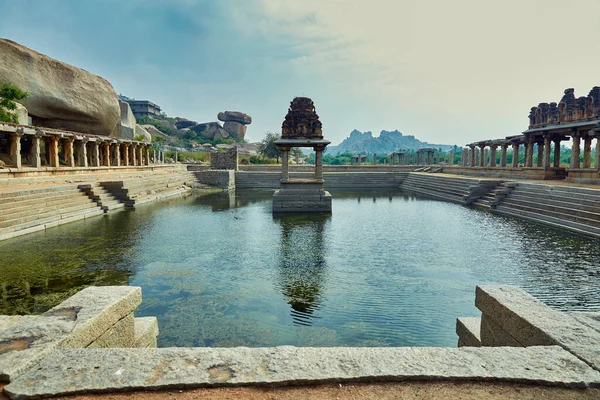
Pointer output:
x,y
381,391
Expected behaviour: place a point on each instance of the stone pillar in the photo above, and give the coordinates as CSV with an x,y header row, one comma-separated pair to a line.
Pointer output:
x,y
133,151
54,152
154,156
285,170
556,153
515,160
82,160
95,154
546,163
587,152
481,156
141,155
319,164
36,159
472,154
575,163
597,159
391,157
15,149
492,156
126,154
375,159
529,153
147,153
430,158
117,154
486,157
540,157
69,151
359,160
106,154
503,149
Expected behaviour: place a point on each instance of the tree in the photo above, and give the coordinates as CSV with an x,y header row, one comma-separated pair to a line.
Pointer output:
x,y
268,148
8,94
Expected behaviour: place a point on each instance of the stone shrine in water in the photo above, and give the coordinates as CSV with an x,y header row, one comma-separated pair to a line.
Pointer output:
x,y
301,128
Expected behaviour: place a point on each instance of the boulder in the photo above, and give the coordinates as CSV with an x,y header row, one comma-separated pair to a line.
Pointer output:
x,y
22,115
126,126
235,129
167,124
211,130
61,96
139,131
234,116
184,123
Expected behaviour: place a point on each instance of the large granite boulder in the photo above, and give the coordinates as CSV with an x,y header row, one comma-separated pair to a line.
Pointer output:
x,y
151,129
60,95
126,126
235,129
234,116
181,123
144,134
211,130
22,114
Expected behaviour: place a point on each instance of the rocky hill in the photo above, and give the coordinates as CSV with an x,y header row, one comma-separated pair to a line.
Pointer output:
x,y
387,142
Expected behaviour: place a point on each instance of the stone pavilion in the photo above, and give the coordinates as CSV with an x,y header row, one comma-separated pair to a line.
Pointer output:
x,y
301,128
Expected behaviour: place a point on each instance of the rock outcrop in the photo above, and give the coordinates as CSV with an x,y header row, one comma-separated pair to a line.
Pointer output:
x,y
60,95
140,131
22,114
235,122
184,123
211,130
126,126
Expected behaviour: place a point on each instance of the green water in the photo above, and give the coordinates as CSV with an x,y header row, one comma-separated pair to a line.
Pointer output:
x,y
385,269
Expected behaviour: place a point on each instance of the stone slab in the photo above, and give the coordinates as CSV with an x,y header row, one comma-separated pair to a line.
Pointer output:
x,y
493,335
119,335
532,323
26,339
72,371
592,319
468,331
98,308
146,332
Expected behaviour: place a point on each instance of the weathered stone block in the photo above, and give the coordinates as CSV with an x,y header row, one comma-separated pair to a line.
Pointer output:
x,y
493,335
98,308
531,323
468,331
146,332
71,371
26,339
121,334
223,179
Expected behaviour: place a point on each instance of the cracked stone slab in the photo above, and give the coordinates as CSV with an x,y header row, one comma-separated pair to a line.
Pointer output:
x,y
98,309
72,371
531,323
26,339
468,331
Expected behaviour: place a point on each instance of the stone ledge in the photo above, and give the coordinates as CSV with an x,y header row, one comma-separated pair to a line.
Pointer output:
x,y
146,332
72,371
531,323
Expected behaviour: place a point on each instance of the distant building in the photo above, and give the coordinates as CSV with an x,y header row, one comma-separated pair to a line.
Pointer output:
x,y
141,108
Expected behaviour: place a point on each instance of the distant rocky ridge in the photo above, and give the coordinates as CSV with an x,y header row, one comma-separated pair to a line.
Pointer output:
x,y
387,142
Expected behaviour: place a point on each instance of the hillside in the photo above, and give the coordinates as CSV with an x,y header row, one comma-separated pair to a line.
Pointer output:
x,y
387,142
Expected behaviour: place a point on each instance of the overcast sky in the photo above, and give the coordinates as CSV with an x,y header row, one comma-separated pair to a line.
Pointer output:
x,y
445,71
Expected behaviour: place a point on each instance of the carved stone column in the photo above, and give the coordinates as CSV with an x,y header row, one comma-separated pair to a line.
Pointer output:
x,y
106,152
515,160
140,155
546,161
54,151
481,156
126,154
556,153
69,151
575,163
117,154
96,154
587,152
82,158
503,149
147,153
529,153
540,155
492,163
472,156
36,159
285,168
319,163
15,149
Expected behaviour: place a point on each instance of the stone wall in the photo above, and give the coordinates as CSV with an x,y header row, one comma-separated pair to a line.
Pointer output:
x,y
223,179
225,160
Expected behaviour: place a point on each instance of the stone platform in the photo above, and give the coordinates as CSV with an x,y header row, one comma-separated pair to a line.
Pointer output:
x,y
302,196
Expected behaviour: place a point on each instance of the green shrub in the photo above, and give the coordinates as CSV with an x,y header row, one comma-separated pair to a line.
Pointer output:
x,y
8,94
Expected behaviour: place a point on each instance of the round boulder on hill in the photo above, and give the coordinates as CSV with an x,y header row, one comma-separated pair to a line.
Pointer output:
x,y
185,123
235,129
211,130
144,134
61,96
234,116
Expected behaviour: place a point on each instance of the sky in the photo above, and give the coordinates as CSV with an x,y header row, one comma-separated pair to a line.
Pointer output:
x,y
447,72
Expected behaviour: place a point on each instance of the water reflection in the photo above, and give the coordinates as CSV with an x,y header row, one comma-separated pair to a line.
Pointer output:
x,y
302,264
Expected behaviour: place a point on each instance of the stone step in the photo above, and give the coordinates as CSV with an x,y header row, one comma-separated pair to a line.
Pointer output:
x,y
437,195
43,214
32,194
33,204
559,216
535,204
39,208
453,190
564,202
561,196
52,219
